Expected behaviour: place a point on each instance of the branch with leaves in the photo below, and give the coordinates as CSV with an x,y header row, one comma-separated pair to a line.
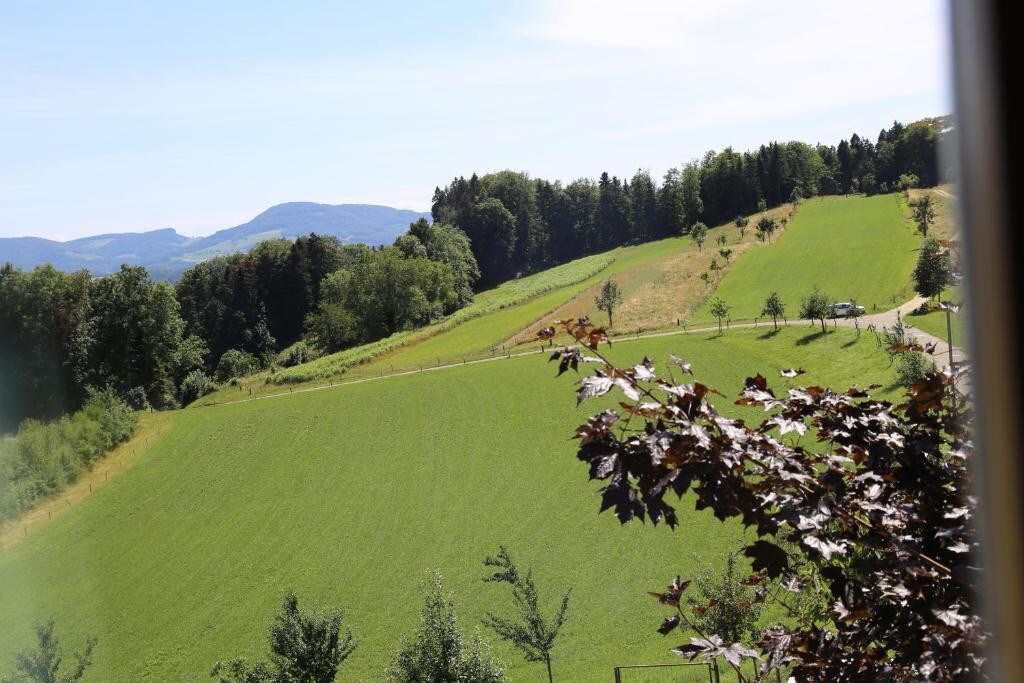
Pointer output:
x,y
881,510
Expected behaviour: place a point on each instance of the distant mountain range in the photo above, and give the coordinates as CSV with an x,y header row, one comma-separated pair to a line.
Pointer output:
x,y
166,254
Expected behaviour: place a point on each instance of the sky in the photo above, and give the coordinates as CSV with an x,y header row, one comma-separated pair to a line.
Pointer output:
x,y
130,116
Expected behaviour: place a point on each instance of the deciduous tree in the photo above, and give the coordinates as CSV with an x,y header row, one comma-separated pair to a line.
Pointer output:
x,y
699,233
43,664
533,634
933,271
609,298
774,307
305,647
816,306
924,213
720,310
438,651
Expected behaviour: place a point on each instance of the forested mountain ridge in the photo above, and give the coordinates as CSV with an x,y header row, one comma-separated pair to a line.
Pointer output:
x,y
166,253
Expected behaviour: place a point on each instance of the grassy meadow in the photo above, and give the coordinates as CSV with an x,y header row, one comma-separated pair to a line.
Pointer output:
x,y
349,494
853,248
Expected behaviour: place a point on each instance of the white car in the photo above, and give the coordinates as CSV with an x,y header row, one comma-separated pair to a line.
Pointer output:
x,y
846,309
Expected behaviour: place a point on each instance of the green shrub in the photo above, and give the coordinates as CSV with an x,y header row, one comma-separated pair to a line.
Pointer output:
x,y
195,385
43,458
235,363
297,354
136,399
911,368
438,651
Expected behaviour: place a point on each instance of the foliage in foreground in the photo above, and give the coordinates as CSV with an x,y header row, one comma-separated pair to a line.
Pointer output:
x,y
43,664
533,635
881,511
305,647
438,651
44,458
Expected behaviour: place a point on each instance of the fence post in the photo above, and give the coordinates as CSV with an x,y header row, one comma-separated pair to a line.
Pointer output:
x,y
618,675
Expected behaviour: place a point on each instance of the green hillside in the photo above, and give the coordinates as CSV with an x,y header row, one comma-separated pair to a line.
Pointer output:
x,y
853,248
350,494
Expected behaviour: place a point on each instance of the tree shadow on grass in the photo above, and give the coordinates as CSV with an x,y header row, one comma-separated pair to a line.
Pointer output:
x,y
850,343
807,339
768,335
894,387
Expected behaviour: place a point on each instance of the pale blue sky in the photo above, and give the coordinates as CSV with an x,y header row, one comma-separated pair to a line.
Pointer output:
x,y
126,116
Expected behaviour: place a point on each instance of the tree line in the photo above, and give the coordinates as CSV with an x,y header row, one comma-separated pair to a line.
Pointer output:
x,y
157,345
518,224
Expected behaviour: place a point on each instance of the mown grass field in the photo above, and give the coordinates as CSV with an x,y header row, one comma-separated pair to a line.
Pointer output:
x,y
853,248
349,494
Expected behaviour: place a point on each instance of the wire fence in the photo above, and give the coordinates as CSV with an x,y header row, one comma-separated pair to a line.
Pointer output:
x,y
691,672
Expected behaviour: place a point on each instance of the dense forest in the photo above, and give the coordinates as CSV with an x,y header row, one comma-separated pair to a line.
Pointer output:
x,y
158,345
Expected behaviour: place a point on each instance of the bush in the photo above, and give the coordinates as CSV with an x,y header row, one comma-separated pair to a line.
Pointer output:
x,y
195,385
438,651
43,458
235,363
304,646
911,368
923,309
297,354
136,399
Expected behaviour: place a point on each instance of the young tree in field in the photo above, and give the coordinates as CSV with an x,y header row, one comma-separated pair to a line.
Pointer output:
x,y
742,222
933,270
720,310
721,239
438,651
762,205
735,610
765,228
305,647
609,298
816,306
714,266
42,665
705,277
774,307
532,634
877,519
699,233
726,254
924,213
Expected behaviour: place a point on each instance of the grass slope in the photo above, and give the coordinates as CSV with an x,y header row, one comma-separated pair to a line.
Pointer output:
x,y
353,493
858,248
